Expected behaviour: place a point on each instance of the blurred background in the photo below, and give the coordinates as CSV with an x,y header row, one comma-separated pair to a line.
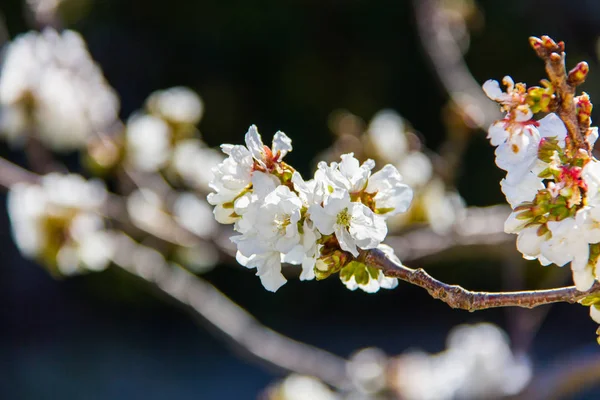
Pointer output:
x,y
282,66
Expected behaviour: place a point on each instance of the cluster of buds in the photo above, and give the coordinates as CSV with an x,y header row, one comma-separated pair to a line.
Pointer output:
x,y
553,180
322,224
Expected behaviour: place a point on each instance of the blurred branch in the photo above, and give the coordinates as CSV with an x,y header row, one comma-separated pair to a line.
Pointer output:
x,y
567,376
458,297
11,174
448,63
480,226
204,300
242,329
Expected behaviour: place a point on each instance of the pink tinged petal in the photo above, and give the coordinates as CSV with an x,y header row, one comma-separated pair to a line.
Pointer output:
x,y
492,89
346,240
282,144
255,144
595,314
323,221
523,114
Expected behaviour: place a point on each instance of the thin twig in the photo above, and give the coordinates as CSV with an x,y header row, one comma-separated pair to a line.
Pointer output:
x,y
564,85
458,297
450,67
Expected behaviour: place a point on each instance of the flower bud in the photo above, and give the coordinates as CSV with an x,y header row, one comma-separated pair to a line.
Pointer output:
x,y
578,74
331,263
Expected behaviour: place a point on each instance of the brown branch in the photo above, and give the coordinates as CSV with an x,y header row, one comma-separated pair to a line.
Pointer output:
x,y
458,297
564,85
230,320
455,296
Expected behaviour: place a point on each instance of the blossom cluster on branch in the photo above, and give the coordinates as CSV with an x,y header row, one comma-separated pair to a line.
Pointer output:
x,y
321,223
388,139
552,178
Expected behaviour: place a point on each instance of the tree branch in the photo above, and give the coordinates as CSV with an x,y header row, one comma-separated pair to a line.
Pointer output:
x,y
564,85
458,297
247,334
448,63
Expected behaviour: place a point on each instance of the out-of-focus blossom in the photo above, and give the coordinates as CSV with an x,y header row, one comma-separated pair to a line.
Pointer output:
x,y
194,162
301,387
434,203
477,364
148,142
163,137
51,88
177,105
58,222
367,369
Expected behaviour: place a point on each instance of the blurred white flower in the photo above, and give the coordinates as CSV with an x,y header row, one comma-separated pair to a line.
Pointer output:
x,y
50,87
477,364
195,215
148,141
386,131
194,162
58,222
301,387
442,207
177,105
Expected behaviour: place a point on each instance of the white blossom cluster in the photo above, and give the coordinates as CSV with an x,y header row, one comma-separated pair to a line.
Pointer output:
x,y
59,222
321,223
50,88
555,195
477,364
164,137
